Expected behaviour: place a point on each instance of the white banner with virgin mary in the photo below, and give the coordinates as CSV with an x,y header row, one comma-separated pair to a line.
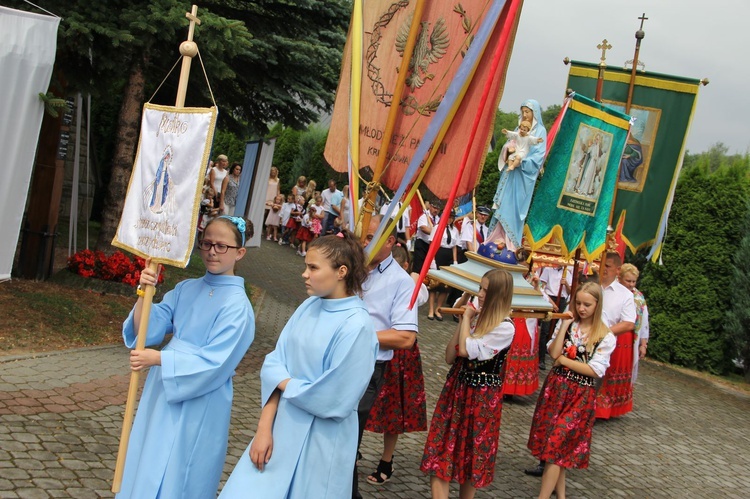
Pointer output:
x,y
161,207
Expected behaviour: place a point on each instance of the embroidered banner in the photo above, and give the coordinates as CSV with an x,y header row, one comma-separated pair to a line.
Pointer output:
x,y
662,108
574,197
448,30
161,207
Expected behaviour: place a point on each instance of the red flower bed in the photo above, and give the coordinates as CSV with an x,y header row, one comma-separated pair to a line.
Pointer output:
x,y
118,267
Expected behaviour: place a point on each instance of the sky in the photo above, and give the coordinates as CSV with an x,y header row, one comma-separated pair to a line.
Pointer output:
x,y
688,38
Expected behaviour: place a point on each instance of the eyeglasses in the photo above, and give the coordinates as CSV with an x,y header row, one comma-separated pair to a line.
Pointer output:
x,y
220,248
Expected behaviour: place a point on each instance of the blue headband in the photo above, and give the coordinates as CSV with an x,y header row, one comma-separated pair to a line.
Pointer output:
x,y
238,222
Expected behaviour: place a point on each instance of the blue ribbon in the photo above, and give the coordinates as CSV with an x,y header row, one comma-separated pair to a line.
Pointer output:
x,y
238,222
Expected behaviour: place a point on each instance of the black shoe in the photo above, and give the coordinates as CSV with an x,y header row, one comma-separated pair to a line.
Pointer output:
x,y
542,366
537,470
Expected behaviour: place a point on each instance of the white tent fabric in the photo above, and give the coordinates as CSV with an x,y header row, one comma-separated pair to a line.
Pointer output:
x,y
257,203
27,53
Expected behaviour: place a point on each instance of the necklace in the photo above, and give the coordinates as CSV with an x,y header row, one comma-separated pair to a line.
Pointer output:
x,y
211,290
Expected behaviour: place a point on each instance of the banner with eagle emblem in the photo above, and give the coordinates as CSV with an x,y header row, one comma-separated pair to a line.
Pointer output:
x,y
442,52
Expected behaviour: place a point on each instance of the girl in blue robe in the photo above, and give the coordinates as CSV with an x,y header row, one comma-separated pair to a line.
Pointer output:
x,y
306,442
179,439
514,190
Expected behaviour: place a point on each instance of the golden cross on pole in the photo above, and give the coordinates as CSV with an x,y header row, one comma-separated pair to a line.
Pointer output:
x,y
188,49
604,46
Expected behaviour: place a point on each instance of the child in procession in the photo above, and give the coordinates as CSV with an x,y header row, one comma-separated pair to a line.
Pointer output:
x,y
178,442
306,440
565,412
465,428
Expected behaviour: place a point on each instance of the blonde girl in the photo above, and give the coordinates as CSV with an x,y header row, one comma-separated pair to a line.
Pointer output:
x,y
565,412
465,428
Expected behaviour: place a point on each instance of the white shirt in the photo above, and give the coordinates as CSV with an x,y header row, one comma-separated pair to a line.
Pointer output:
x,y
286,211
619,305
423,222
454,237
327,196
387,293
467,233
599,362
492,343
551,277
405,220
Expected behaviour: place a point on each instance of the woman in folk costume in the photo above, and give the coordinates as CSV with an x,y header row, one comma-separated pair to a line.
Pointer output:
x,y
564,416
629,278
465,428
513,196
306,442
179,440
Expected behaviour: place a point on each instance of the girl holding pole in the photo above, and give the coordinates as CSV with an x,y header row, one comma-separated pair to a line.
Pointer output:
x,y
465,429
179,439
564,415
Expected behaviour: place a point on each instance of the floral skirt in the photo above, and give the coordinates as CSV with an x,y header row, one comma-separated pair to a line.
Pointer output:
x,y
563,421
615,397
400,406
464,432
522,363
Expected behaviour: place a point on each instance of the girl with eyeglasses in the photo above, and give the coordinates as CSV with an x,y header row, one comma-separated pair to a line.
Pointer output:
x,y
179,439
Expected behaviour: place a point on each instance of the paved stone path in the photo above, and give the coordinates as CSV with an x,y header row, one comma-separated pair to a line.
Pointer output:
x,y
61,413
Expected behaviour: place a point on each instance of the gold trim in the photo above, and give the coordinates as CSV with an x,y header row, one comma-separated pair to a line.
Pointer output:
x,y
199,184
462,273
641,81
599,114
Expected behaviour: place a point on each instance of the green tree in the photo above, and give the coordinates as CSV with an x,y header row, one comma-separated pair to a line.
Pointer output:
x,y
226,142
717,155
549,115
284,154
737,325
689,295
273,61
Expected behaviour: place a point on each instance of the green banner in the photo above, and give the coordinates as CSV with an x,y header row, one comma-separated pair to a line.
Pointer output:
x,y
662,107
574,198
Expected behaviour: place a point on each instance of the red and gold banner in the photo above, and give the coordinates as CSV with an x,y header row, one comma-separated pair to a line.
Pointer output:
x,y
446,33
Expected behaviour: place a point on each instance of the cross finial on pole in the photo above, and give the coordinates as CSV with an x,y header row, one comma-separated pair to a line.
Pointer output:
x,y
643,18
193,16
604,46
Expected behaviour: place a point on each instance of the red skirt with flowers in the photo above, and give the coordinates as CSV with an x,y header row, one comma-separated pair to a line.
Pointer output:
x,y
464,431
522,363
615,396
563,421
304,234
400,406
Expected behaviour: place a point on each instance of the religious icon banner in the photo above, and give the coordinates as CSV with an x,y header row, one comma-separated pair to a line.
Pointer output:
x,y
662,108
574,197
160,214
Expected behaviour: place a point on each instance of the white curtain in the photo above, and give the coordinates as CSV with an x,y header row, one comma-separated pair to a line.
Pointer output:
x,y
257,203
27,53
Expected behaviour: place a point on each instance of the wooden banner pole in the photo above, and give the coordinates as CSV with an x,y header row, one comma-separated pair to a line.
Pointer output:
x,y
515,313
188,49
